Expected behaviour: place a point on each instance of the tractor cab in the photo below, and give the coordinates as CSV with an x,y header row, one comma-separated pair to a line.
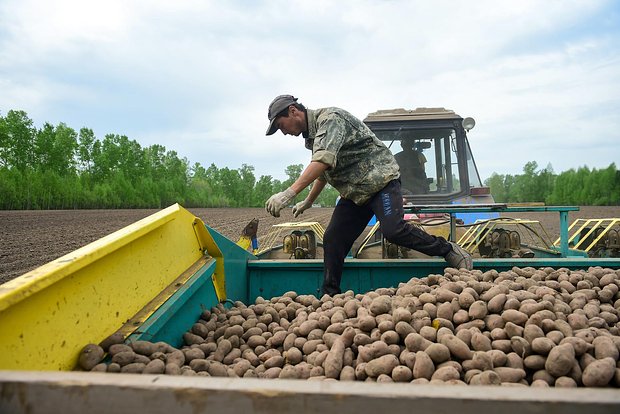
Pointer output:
x,y
431,148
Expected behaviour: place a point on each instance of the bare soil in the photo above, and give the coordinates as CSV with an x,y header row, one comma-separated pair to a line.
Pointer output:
x,y
29,239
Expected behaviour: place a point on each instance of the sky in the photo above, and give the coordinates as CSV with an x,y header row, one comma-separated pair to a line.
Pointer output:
x,y
540,77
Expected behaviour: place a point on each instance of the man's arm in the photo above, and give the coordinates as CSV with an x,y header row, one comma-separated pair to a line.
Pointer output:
x,y
317,187
310,175
312,172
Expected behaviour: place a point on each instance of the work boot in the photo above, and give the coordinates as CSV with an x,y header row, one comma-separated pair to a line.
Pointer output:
x,y
458,258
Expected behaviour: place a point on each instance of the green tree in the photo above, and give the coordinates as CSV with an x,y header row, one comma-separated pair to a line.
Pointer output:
x,y
265,187
19,140
248,182
86,142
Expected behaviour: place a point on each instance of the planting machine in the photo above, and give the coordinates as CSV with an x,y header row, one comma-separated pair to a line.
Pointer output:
x,y
153,279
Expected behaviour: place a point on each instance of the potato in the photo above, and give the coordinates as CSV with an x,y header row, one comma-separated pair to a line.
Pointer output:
x,y
534,362
460,317
143,347
360,371
273,372
478,310
334,360
542,346
498,357
429,333
513,360
293,356
288,372
496,303
347,374
604,347
423,366
539,384
390,337
224,346
176,357
90,356
233,355
133,368
507,374
207,347
117,348
445,311
470,374
380,305
382,365
560,360
193,353
531,332
580,346
438,352
403,329
457,347
458,328
125,358
514,316
520,346
402,373
274,361
446,373
241,367
465,299
114,339
599,373
482,361
141,358
415,342
383,378
367,323
480,342
101,367
513,330
465,335
503,345
486,378
407,358
543,375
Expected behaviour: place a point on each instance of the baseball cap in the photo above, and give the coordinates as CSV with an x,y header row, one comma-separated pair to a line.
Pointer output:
x,y
279,104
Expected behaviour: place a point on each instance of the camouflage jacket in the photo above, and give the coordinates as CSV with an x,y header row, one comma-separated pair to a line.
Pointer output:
x,y
359,163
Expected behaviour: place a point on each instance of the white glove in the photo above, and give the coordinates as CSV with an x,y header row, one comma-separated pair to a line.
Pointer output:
x,y
301,207
278,201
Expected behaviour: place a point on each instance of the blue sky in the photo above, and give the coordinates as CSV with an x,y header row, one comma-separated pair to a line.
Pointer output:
x,y
541,78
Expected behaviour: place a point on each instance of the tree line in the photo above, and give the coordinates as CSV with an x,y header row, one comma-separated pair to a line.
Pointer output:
x,y
579,187
57,167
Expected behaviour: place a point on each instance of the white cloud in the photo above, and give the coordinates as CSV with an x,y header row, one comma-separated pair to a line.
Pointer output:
x,y
540,77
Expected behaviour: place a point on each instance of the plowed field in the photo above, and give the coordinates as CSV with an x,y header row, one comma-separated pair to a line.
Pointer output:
x,y
29,239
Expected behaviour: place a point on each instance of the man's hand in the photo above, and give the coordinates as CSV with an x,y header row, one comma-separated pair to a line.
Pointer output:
x,y
278,201
301,207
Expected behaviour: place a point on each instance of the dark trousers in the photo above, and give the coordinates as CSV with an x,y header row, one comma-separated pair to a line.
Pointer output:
x,y
349,221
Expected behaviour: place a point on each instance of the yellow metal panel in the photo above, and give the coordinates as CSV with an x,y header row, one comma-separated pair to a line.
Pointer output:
x,y
49,314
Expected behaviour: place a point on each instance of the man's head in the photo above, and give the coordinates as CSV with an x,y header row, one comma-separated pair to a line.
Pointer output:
x,y
286,115
407,144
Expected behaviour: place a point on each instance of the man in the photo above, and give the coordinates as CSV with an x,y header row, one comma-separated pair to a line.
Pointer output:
x,y
411,161
347,155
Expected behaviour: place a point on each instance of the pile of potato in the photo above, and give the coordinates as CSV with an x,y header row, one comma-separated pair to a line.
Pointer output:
x,y
524,327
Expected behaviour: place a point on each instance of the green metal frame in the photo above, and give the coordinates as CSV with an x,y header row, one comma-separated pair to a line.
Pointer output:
x,y
269,278
452,209
177,315
181,310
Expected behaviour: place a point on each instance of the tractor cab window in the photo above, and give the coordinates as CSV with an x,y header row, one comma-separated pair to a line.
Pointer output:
x,y
427,159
